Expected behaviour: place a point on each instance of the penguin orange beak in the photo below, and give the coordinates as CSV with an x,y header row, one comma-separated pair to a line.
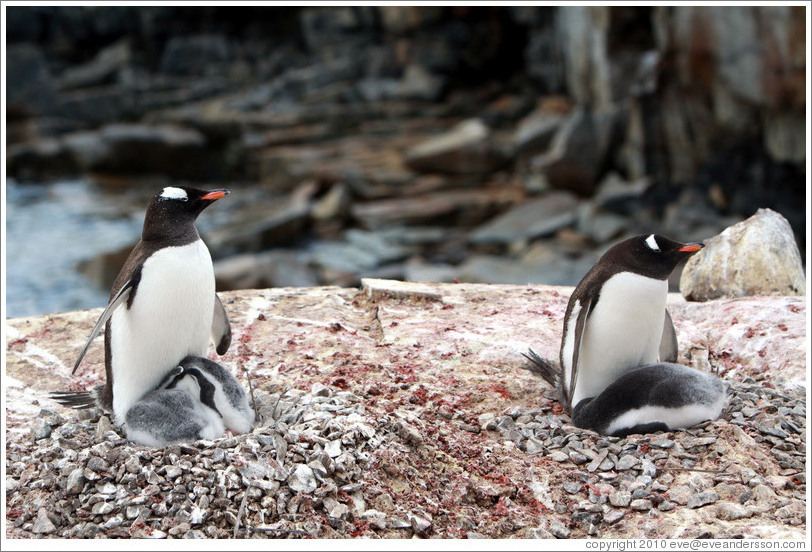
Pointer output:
x,y
215,194
691,247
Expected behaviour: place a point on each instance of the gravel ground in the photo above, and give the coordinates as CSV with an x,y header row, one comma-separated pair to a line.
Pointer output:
x,y
363,432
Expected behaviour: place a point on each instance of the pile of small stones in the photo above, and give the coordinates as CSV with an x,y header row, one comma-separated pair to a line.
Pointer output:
x,y
614,476
297,475
301,473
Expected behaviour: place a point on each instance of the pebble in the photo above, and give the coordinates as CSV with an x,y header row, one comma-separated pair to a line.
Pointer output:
x,y
420,524
40,429
42,524
702,499
662,442
730,511
627,462
75,482
680,494
666,506
172,472
146,532
620,499
103,426
577,458
320,444
613,516
559,456
533,446
534,533
641,505
572,487
558,530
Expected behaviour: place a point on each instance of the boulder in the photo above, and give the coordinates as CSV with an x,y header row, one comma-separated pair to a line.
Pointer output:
x,y
467,148
531,219
539,269
262,225
453,207
49,158
194,55
171,150
535,132
99,105
30,89
275,268
324,28
578,152
39,160
758,256
403,19
418,83
101,69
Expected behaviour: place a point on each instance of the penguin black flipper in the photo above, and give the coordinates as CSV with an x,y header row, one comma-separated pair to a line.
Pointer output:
x,y
580,327
669,347
220,327
123,295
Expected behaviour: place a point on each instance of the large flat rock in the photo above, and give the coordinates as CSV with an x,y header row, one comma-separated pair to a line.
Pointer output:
x,y
446,359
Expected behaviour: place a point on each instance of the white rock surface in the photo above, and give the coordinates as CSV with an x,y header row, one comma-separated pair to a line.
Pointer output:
x,y
758,256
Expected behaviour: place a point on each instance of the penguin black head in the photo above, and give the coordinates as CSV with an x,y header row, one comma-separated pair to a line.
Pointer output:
x,y
171,214
651,255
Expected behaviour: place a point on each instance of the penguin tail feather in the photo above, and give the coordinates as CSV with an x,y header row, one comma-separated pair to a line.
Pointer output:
x,y
541,367
75,399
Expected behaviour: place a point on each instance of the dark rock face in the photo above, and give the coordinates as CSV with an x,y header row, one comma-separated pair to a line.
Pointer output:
x,y
680,120
30,84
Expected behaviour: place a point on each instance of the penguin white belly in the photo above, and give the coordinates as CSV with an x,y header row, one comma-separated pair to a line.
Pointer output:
x,y
623,331
170,318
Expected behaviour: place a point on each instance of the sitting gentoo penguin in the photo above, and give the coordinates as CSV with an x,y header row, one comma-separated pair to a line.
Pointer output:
x,y
198,399
617,332
163,306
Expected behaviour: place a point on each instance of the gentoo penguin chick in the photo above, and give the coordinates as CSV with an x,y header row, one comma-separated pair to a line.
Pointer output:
x,y
163,306
219,391
198,399
616,321
654,397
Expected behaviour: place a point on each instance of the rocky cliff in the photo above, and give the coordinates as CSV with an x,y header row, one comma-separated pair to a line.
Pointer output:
x,y
400,410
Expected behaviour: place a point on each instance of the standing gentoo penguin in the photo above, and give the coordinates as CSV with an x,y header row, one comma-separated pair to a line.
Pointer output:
x,y
198,399
616,322
163,306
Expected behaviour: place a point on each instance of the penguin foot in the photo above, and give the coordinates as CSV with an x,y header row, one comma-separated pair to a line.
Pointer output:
x,y
654,397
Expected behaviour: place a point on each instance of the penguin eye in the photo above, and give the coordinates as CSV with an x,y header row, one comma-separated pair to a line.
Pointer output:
x,y
652,244
172,192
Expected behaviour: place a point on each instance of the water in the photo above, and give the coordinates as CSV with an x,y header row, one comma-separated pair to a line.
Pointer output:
x,y
50,228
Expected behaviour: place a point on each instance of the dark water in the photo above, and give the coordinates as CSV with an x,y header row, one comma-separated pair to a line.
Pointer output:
x,y
50,228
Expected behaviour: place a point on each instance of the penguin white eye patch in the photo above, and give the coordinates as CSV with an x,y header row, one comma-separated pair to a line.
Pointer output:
x,y
652,244
170,192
